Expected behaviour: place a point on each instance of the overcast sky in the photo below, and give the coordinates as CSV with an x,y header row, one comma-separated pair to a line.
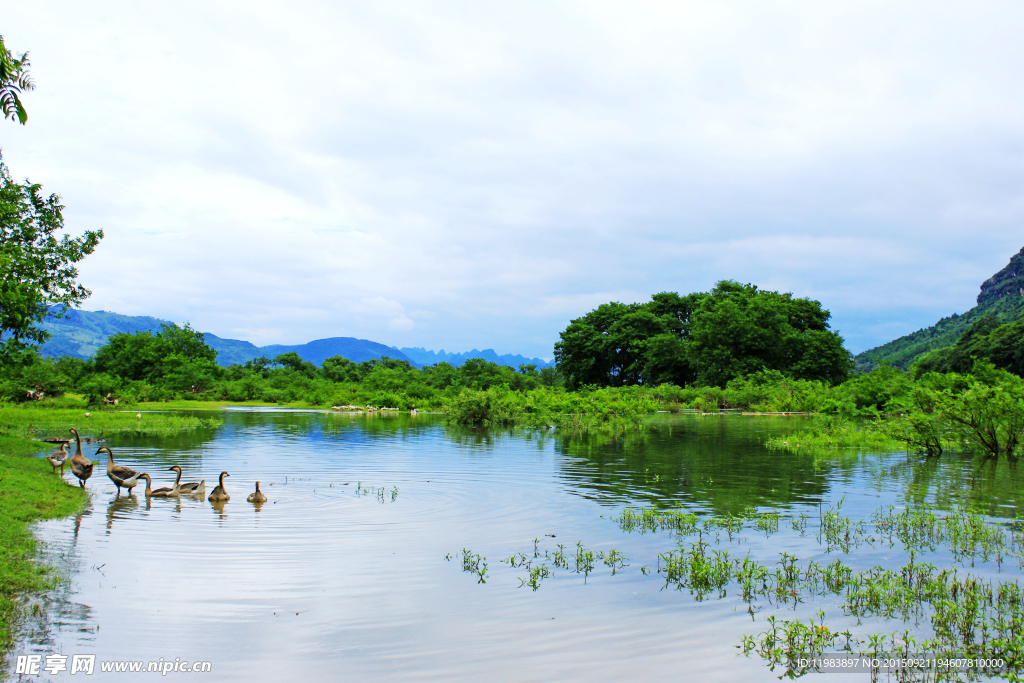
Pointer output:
x,y
473,175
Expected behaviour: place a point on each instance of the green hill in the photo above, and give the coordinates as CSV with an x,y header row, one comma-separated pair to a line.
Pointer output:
x,y
1002,295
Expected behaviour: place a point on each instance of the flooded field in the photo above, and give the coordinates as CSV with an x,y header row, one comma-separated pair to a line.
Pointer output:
x,y
398,548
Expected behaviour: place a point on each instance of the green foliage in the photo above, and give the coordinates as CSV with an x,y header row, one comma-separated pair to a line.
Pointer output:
x,y
1002,345
148,356
773,392
625,344
705,339
739,329
982,412
38,269
988,414
14,79
607,409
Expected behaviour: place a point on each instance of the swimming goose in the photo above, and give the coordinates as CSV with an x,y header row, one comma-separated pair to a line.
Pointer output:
x,y
162,492
119,474
219,495
81,466
197,488
258,497
58,458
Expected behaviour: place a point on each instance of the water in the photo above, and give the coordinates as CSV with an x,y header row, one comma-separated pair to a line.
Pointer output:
x,y
342,574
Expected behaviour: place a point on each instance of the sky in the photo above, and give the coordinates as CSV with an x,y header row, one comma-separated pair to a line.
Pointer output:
x,y
464,175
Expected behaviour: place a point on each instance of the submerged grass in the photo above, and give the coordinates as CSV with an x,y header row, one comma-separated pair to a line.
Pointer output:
x,y
955,613
28,492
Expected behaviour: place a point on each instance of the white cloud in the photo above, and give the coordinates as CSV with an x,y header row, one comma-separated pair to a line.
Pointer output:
x,y
474,175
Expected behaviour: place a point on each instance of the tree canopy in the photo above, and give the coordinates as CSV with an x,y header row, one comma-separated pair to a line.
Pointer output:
x,y
177,357
702,338
37,264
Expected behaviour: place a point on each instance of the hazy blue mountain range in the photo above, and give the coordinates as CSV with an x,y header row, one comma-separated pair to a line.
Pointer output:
x,y
80,333
1002,295
424,357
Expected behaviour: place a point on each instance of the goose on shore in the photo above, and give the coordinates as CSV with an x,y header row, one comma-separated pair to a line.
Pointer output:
x,y
219,495
119,474
81,466
258,496
58,458
192,488
162,492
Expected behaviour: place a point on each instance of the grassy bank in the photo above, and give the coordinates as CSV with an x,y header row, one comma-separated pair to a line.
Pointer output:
x,y
39,421
28,492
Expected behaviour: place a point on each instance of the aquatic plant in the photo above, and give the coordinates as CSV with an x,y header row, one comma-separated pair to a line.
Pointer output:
x,y
473,563
382,494
964,533
840,531
652,519
790,643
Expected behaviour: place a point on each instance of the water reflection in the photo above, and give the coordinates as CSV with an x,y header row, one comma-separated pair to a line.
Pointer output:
x,y
119,507
714,463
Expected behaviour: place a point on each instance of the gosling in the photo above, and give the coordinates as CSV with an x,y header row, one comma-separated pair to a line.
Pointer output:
x,y
258,496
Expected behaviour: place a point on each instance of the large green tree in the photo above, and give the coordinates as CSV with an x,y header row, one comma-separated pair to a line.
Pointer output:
x,y
706,338
37,263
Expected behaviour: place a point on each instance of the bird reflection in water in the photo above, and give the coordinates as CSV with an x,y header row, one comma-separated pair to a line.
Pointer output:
x,y
117,508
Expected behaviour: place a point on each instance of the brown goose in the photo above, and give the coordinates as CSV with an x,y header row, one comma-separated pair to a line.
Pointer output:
x,y
58,458
119,474
81,466
191,488
162,492
258,496
219,495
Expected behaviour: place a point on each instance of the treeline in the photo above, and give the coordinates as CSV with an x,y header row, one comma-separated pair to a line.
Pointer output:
x,y
176,363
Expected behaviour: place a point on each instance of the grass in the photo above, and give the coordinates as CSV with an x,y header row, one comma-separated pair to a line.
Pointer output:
x,y
31,421
28,492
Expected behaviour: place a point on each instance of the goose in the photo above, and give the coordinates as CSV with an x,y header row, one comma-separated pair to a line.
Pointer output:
x,y
119,474
58,458
258,496
219,495
197,488
81,466
162,492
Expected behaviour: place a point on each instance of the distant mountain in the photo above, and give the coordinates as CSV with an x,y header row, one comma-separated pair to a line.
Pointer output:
x,y
424,357
1002,295
81,333
315,352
